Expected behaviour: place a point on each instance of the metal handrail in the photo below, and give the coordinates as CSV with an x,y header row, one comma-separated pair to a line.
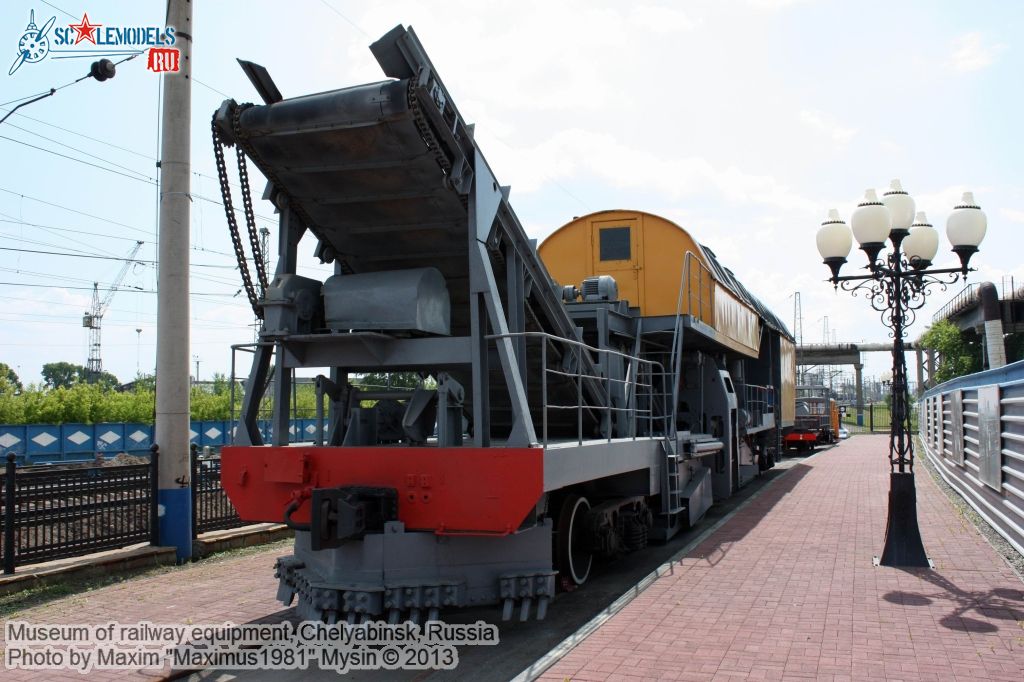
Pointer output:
x,y
759,401
964,298
633,383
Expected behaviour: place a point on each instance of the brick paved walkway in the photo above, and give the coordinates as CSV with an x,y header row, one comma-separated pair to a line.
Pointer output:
x,y
795,594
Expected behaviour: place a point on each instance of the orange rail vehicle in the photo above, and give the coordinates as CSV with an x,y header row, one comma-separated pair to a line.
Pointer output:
x,y
816,422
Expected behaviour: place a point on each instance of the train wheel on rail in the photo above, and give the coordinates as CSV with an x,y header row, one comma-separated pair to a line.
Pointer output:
x,y
573,557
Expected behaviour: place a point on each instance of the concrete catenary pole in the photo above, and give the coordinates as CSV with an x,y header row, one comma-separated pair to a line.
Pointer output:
x,y
172,341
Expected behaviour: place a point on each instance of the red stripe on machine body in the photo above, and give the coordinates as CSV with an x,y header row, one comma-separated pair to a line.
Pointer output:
x,y
443,490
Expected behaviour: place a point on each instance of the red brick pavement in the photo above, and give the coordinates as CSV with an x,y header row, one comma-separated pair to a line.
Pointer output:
x,y
787,590
239,589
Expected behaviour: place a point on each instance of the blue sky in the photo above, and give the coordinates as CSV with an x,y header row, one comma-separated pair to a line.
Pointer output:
x,y
742,120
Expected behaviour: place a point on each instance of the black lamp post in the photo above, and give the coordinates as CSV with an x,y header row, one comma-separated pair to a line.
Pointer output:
x,y
896,285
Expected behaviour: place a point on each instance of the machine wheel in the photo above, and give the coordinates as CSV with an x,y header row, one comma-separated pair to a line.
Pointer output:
x,y
573,557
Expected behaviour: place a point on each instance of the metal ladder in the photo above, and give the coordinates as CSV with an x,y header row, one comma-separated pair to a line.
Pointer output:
x,y
671,501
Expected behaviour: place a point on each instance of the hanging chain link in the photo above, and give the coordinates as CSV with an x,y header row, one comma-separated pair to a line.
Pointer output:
x,y
424,128
250,218
229,212
242,150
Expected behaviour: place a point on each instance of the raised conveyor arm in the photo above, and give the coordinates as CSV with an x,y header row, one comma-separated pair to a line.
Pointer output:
x,y
387,176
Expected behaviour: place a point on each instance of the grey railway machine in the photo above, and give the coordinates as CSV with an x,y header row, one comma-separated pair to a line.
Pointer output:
x,y
434,274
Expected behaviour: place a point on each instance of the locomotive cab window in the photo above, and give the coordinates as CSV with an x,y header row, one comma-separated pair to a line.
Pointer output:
x,y
615,243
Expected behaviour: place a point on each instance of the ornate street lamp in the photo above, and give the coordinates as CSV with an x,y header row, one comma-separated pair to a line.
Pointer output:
x,y
896,285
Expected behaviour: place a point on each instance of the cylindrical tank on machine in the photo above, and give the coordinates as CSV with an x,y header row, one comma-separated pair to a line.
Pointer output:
x,y
414,300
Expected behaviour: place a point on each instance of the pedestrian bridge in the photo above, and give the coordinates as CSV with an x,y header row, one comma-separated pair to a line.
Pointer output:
x,y
966,309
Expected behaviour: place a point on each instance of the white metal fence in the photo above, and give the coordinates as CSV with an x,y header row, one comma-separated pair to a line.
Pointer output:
x,y
973,431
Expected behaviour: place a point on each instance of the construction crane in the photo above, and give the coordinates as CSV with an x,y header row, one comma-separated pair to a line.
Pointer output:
x,y
93,320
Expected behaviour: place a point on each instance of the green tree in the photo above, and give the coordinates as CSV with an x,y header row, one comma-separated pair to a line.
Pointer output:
x,y
957,356
105,379
389,379
11,376
62,374
12,406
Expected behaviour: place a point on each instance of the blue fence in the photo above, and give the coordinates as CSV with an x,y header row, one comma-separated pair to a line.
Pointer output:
x,y
39,443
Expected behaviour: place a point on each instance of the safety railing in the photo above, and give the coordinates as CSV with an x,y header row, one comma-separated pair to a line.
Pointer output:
x,y
1009,290
759,401
54,513
211,508
964,299
67,510
972,429
644,401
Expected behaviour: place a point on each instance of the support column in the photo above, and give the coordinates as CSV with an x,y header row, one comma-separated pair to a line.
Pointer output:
x,y
172,345
920,371
289,231
995,346
858,371
282,399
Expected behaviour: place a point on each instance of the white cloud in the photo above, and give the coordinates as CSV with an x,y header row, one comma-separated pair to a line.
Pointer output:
x,y
577,151
661,19
971,54
939,204
1013,215
775,4
822,123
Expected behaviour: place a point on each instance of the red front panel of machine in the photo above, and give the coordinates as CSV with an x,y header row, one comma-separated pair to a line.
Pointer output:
x,y
444,490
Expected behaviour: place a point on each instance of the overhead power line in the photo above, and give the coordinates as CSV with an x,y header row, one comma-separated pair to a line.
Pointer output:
x,y
210,87
80,151
81,161
50,4
119,258
14,221
106,143
129,289
81,306
76,211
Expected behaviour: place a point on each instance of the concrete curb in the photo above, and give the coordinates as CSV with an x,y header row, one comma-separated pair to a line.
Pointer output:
x,y
236,538
137,556
563,648
90,565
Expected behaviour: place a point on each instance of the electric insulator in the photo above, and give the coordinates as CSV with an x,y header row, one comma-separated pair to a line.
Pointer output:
x,y
102,70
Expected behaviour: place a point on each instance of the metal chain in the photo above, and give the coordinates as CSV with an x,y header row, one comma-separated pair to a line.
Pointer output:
x,y
424,129
250,218
243,150
229,211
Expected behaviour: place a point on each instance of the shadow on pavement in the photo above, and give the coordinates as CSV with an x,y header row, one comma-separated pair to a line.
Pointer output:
x,y
997,603
715,548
